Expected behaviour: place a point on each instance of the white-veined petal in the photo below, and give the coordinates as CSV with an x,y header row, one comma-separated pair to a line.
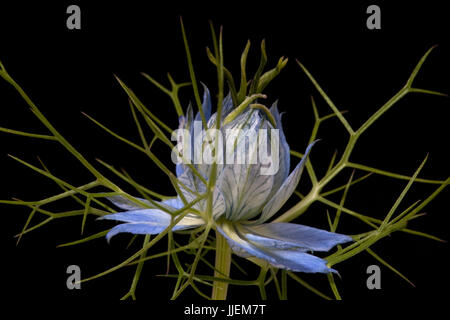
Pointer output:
x,y
286,189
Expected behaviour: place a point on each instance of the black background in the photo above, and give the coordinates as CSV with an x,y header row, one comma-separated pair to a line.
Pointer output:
x,y
68,71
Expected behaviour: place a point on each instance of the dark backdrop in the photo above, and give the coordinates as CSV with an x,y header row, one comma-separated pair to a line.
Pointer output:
x,y
68,71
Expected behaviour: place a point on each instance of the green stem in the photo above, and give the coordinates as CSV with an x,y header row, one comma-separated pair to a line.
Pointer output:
x,y
222,266
132,292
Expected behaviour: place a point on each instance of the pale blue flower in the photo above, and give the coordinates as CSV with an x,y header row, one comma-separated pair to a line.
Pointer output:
x,y
243,201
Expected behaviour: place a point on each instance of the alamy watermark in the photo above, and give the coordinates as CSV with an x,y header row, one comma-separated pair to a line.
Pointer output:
x,y
73,21
73,280
230,146
374,280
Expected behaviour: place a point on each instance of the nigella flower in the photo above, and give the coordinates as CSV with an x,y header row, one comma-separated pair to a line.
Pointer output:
x,y
244,198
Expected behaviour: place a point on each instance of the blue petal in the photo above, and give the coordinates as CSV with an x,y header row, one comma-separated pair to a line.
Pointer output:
x,y
227,107
286,189
206,105
182,124
179,169
288,235
150,221
284,157
289,259
135,228
142,215
186,123
126,204
175,203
